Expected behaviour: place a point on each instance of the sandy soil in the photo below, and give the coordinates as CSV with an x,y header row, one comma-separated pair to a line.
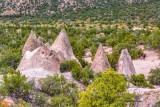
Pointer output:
x,y
151,62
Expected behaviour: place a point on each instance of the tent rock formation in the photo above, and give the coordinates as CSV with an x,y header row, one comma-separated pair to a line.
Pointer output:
x,y
125,64
63,47
40,58
32,43
100,62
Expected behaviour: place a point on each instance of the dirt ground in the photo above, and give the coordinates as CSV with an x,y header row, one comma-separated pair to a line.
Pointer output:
x,y
151,61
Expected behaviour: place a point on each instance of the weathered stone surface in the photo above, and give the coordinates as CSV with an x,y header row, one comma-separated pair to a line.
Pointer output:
x,y
125,64
40,41
32,43
68,76
40,58
100,62
148,99
63,47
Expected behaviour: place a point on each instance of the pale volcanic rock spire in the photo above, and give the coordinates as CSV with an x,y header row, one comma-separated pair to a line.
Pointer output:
x,y
100,62
125,64
40,58
63,47
32,43
40,40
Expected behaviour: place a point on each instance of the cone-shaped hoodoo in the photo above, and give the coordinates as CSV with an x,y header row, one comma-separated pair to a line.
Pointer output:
x,y
32,43
100,62
63,47
125,64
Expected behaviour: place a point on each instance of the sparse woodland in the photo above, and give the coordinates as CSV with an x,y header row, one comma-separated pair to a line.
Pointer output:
x,y
13,39
111,26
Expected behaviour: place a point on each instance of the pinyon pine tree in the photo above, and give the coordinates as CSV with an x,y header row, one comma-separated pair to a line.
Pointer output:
x,y
108,90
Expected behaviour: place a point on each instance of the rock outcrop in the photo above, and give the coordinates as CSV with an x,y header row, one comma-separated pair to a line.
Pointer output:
x,y
148,100
100,62
63,47
146,97
40,58
125,64
68,76
32,43
40,41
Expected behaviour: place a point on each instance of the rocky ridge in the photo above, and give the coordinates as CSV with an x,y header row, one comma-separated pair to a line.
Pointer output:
x,y
12,7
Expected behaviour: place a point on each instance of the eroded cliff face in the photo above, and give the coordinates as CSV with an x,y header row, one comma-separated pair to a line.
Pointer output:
x,y
11,7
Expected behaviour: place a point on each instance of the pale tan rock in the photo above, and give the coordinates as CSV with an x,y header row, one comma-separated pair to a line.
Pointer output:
x,y
68,76
40,41
148,99
63,47
32,43
40,58
125,64
100,62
